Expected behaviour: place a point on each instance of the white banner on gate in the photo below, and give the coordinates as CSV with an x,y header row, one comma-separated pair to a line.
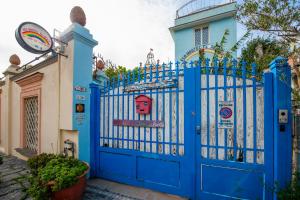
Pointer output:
x,y
225,114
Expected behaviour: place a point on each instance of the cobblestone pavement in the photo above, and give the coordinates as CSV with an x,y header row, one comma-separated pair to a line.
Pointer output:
x,y
11,172
13,186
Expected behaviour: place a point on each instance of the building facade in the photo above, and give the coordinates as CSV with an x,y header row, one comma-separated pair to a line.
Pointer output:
x,y
44,106
202,24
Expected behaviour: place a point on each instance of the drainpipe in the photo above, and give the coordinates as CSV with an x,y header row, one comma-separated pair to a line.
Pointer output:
x,y
59,89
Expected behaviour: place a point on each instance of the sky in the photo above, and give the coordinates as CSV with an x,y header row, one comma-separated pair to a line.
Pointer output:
x,y
125,29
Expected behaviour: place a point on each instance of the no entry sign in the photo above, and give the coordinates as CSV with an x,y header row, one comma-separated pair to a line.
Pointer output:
x,y
225,112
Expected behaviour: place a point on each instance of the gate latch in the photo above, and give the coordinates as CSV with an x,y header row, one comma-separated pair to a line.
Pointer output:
x,y
198,129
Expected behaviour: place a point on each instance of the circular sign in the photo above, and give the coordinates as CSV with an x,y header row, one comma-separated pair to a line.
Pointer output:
x,y
34,38
225,112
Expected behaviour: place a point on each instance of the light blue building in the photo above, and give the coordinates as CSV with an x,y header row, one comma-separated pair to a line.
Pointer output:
x,y
200,24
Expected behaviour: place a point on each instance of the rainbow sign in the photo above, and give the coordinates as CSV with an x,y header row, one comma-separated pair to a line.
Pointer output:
x,y
34,38
37,36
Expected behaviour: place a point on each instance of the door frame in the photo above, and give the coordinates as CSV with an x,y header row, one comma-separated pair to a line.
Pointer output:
x,y
30,87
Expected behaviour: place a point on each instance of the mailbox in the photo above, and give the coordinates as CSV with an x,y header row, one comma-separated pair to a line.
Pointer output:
x,y
143,104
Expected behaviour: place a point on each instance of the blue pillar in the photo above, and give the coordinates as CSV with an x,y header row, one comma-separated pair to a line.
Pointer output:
x,y
81,43
269,136
95,127
282,130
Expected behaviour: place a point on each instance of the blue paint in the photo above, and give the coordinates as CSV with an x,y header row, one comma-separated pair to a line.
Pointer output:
x,y
225,99
82,69
94,127
244,109
156,99
234,62
216,68
191,119
254,111
269,138
193,175
282,139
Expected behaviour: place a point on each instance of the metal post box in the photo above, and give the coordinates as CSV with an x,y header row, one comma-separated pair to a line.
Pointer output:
x,y
143,104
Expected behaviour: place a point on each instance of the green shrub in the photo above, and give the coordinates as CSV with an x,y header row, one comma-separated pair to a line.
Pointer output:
x,y
292,190
1,160
40,161
51,173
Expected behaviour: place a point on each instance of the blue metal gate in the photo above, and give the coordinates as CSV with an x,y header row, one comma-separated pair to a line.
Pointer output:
x,y
231,144
212,133
138,149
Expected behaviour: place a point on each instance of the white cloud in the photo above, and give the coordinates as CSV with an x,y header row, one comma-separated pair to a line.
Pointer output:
x,y
125,29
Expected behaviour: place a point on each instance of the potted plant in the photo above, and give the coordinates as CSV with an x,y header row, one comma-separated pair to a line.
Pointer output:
x,y
57,177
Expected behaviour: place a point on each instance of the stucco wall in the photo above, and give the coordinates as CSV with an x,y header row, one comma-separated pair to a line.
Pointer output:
x,y
55,107
217,30
15,116
49,129
1,120
66,93
185,39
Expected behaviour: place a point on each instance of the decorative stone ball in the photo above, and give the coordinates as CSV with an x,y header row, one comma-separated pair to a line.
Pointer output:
x,y
100,65
77,15
14,59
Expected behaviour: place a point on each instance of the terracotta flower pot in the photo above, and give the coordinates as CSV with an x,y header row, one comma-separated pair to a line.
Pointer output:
x,y
74,192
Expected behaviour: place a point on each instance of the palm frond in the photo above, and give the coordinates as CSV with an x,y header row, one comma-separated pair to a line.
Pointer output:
x,y
224,38
237,45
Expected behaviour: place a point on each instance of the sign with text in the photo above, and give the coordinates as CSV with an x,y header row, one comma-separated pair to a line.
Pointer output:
x,y
151,85
141,123
225,112
34,38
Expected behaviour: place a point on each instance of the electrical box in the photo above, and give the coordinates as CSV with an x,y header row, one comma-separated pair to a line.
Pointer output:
x,y
143,104
283,116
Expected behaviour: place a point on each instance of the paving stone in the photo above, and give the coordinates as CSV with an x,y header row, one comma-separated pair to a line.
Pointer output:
x,y
11,169
97,189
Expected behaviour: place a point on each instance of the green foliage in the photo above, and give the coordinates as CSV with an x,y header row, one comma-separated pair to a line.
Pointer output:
x,y
40,161
50,173
276,17
262,51
63,171
38,190
292,190
112,73
220,50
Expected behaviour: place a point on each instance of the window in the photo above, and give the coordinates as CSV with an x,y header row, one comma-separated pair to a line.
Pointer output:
x,y
201,36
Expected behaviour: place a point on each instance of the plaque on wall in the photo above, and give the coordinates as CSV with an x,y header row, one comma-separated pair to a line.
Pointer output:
x,y
79,108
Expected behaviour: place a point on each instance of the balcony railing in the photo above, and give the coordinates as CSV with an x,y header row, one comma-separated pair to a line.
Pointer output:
x,y
198,5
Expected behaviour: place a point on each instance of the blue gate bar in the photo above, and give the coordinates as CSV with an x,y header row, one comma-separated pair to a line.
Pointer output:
x,y
177,108
216,68
128,111
123,80
139,117
200,103
244,111
163,106
113,111
254,111
234,62
156,99
118,108
151,136
207,107
133,111
170,111
104,132
145,136
225,99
